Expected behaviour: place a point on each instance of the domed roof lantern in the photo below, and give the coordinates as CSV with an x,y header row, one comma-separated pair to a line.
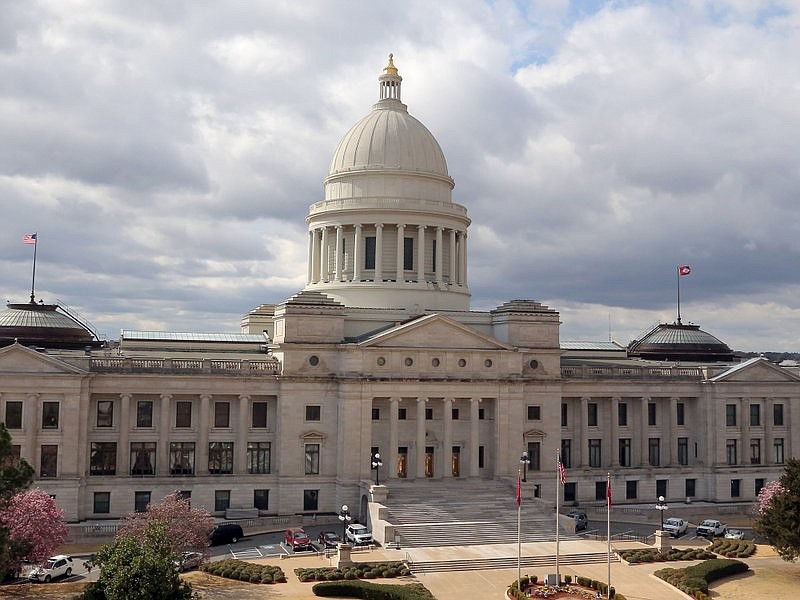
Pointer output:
x,y
390,82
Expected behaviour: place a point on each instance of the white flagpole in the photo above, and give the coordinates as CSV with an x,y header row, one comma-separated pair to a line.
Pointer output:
x,y
558,493
608,530
519,513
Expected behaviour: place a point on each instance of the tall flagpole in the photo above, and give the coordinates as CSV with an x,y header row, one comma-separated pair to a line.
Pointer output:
x,y
33,276
678,275
608,530
558,493
519,520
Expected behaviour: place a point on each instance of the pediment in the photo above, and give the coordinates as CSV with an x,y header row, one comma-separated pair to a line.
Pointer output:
x,y
756,370
17,358
534,434
312,435
434,331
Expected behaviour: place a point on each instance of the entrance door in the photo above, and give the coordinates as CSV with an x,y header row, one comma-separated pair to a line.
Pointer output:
x,y
402,461
456,461
428,461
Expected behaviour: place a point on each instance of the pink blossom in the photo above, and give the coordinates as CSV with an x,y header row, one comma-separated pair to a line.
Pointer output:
x,y
767,494
33,518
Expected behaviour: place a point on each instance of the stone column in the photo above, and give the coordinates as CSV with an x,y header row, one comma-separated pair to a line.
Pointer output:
x,y
324,264
474,437
201,451
464,259
242,429
453,277
339,258
644,432
584,421
316,253
124,451
671,433
767,451
448,437
421,402
357,243
164,427
438,258
421,253
379,255
400,234
393,437
31,410
310,274
615,431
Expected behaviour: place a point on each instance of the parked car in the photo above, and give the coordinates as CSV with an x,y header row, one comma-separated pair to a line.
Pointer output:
x,y
226,533
329,539
711,528
734,534
358,534
297,539
581,520
675,527
55,566
189,560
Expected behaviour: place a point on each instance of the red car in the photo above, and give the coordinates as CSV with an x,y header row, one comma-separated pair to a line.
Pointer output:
x,y
297,539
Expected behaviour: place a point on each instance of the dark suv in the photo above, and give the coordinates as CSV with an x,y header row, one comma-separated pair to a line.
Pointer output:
x,y
226,533
581,520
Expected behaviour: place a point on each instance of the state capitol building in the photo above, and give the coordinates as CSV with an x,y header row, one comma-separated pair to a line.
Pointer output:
x,y
380,353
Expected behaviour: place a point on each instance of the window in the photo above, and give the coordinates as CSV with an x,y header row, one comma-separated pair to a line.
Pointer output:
x,y
755,415
258,457
481,456
14,415
259,415
564,413
13,458
433,254
408,254
376,414
625,452
481,414
313,412
105,413
689,486
534,456
755,452
369,252
566,453
454,414
312,459
651,414
310,499
654,452
683,451
429,414
730,415
622,414
181,458
736,485
570,491
631,490
49,415
595,455
140,501
143,458
680,414
599,490
534,413
102,502
222,500
591,416
49,463
222,414
759,483
144,413
220,458
183,414
402,414
103,458
730,452
777,415
777,444
261,499
661,488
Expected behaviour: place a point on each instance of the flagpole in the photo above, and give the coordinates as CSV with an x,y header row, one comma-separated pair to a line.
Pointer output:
x,y
33,276
558,493
608,530
678,275
519,520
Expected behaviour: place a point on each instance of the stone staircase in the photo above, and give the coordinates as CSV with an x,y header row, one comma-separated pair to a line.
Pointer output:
x,y
507,562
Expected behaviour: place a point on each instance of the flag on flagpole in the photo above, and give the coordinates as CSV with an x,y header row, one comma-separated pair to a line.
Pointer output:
x,y
608,492
684,270
519,491
29,238
562,474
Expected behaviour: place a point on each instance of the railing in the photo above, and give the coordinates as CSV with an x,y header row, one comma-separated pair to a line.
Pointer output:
x,y
182,365
591,372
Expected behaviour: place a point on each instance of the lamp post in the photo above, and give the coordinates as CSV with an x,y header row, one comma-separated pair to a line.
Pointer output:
x,y
377,463
661,506
524,461
345,518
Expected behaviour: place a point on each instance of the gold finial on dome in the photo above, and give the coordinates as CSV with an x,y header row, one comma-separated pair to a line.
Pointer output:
x,y
390,68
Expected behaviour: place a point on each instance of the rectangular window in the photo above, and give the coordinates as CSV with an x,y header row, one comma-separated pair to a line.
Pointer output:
x,y
534,413
631,490
654,452
566,453
49,463
183,414
433,254
13,458
481,414
570,491
429,414
222,500
312,459
140,501
258,457
481,456
369,252
736,486
259,415
680,414
622,414
564,412
777,444
651,414
313,412
755,452
730,415
220,458
454,414
591,416
102,503
408,254
310,499
181,458
661,488
755,415
599,490
144,413
759,483
261,499
105,413
13,415
683,451
376,414
595,454
402,414
222,414
777,415
534,456
143,458
689,486
625,452
103,458
49,415
730,452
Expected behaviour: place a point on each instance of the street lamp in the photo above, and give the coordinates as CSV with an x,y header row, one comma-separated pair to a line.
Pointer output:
x,y
345,518
524,461
661,506
377,463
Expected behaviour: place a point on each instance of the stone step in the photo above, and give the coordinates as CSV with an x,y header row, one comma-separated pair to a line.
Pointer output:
x,y
509,562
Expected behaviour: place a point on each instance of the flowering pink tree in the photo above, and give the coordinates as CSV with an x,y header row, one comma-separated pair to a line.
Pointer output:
x,y
187,528
767,495
35,524
778,512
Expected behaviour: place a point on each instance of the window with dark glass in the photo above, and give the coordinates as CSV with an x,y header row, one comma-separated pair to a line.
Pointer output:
x,y
595,454
14,457
429,414
625,452
220,458
661,487
408,254
777,415
563,414
312,459
534,456
259,415
140,501
777,444
566,453
570,491
310,499
730,452
402,414
622,414
592,414
222,500
143,458
103,458
313,412
49,415
730,415
222,414
261,499
755,415
481,456
105,413
144,413
481,414
755,452
13,415
454,414
689,487
680,416
759,483
102,503
376,414
736,486
258,457
369,252
654,452
183,414
651,414
181,458
534,413
600,490
631,490
683,451
49,462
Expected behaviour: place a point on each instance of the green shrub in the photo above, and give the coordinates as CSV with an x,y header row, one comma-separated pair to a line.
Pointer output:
x,y
371,591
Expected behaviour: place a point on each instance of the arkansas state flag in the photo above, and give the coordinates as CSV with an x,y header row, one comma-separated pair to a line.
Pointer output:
x,y
519,492
608,492
684,270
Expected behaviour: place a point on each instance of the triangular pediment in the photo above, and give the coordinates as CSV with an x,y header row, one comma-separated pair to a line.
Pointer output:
x,y
17,358
534,434
312,435
755,370
434,331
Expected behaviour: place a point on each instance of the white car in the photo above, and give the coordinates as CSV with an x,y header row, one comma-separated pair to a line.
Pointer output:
x,y
734,534
358,534
675,527
53,567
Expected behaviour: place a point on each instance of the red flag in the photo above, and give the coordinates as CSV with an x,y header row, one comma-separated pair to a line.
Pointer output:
x,y
684,270
29,238
562,474
608,493
519,491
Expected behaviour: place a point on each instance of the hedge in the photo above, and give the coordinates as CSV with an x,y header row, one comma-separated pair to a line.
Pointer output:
x,y
356,571
372,591
733,548
694,580
647,555
230,568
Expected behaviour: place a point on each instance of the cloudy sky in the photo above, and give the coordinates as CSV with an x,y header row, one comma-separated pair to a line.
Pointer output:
x,y
166,153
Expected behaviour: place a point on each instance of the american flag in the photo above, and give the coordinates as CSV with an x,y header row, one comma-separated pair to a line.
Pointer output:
x,y
29,238
562,474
